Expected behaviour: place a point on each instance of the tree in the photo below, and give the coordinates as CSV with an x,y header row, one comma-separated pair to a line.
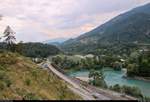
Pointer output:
x,y
19,47
9,38
117,65
97,78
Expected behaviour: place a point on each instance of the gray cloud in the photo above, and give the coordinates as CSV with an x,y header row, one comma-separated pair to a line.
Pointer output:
x,y
47,19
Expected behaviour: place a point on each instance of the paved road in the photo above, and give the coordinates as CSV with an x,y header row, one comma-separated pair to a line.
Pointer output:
x,y
87,92
73,86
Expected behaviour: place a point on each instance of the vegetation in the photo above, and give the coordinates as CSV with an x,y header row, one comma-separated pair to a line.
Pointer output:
x,y
27,49
35,50
136,61
97,79
20,79
38,50
124,36
78,63
9,38
132,91
139,65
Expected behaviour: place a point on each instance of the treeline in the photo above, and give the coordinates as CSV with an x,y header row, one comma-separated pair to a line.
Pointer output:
x,y
39,50
139,64
132,91
96,62
33,49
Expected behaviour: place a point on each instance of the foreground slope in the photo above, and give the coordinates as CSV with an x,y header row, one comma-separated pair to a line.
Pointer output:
x,y
22,79
130,27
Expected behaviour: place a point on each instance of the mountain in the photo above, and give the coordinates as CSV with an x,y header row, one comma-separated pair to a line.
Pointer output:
x,y
56,41
21,79
130,27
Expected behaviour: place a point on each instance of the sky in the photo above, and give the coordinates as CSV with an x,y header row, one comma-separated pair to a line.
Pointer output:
x,y
41,20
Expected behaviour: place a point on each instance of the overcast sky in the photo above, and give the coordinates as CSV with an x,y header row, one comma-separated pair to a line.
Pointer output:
x,y
40,20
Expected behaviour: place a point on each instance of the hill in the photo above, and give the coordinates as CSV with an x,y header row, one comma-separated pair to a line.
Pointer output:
x,y
35,49
130,27
21,79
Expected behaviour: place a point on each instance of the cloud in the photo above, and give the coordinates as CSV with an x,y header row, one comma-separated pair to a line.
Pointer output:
x,y
39,20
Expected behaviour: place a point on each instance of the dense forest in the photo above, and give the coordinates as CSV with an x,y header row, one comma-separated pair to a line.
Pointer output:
x,y
34,49
137,62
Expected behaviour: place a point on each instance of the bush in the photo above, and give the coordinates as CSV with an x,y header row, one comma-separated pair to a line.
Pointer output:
x,y
2,85
30,96
2,75
28,82
116,88
5,79
133,91
35,73
7,59
2,68
145,99
8,82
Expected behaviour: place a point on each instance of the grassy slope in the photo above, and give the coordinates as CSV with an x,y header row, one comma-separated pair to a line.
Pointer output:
x,y
22,79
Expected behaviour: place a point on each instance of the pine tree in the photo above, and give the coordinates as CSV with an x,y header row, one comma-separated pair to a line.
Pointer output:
x,y
9,38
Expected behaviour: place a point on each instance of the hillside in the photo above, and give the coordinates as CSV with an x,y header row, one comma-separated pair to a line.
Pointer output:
x,y
34,49
130,27
22,79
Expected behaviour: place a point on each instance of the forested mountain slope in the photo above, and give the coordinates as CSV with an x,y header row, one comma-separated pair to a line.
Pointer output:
x,y
130,27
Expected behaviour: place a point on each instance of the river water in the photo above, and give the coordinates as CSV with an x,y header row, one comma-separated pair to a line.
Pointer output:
x,y
116,77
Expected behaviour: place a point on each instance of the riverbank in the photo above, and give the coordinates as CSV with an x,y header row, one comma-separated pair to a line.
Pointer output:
x,y
86,79
113,77
137,78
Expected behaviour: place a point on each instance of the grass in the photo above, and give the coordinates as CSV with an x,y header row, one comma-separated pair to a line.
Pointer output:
x,y
20,79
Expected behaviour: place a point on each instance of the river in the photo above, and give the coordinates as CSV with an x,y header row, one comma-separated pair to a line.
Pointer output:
x,y
116,77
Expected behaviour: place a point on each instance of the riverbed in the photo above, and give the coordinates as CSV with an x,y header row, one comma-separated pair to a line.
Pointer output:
x,y
113,77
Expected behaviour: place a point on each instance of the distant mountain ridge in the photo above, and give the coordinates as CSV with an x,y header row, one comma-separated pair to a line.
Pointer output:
x,y
56,41
132,26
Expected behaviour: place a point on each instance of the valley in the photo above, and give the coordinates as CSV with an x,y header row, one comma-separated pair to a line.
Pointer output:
x,y
108,62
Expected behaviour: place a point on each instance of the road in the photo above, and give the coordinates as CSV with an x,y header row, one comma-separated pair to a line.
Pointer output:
x,y
73,86
87,92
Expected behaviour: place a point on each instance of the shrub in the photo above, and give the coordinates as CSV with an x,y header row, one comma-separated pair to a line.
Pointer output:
x,y
35,73
28,82
145,99
5,79
116,88
8,82
30,96
2,85
7,59
133,91
2,75
2,67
